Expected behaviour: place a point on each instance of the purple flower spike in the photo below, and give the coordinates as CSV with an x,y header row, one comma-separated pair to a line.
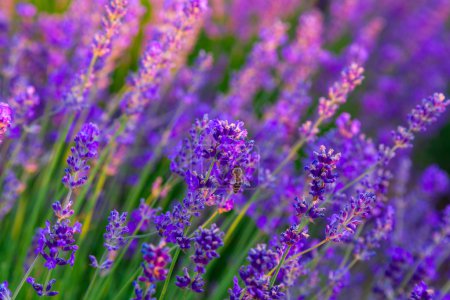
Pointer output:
x,y
321,172
207,241
421,292
156,258
86,146
6,118
56,243
115,231
343,225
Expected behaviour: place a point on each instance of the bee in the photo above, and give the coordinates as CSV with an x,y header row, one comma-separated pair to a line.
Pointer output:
x,y
238,179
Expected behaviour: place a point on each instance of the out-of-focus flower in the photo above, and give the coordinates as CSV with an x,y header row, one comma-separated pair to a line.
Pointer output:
x,y
6,118
435,181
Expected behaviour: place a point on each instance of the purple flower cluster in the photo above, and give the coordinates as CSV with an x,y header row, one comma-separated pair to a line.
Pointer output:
x,y
86,146
254,275
206,244
114,239
217,157
351,77
346,222
321,172
156,259
420,118
56,243
78,94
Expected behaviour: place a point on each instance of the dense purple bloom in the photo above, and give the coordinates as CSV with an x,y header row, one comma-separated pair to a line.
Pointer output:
x,y
56,243
217,158
206,243
321,172
421,292
86,146
156,259
39,288
5,293
257,282
6,119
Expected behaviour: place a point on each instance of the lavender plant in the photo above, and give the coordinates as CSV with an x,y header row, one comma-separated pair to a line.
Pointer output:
x,y
212,149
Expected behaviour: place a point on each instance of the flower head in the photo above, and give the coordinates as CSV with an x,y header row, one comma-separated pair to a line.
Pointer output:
x,y
156,259
86,146
321,171
207,241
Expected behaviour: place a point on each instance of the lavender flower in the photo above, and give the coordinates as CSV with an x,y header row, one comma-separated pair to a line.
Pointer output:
x,y
421,292
420,118
156,259
5,293
78,93
39,288
257,282
86,146
211,156
351,77
321,172
114,239
56,243
344,224
6,119
207,241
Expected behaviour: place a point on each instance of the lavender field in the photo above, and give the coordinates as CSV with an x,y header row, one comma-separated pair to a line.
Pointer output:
x,y
225,149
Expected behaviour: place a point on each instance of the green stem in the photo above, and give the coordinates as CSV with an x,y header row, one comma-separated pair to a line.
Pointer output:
x,y
283,258
19,287
130,280
172,266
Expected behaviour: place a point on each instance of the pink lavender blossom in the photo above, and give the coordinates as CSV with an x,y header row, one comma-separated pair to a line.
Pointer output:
x,y
6,119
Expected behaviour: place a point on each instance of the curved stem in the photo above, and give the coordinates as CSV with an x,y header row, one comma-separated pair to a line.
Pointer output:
x,y
308,250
